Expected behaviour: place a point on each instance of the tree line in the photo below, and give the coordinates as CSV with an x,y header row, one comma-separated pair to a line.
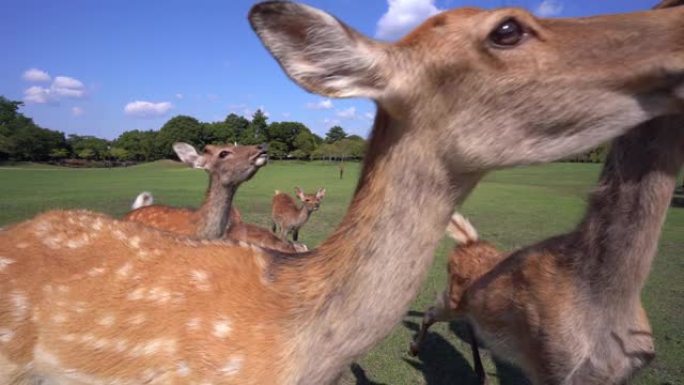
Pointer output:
x,y
23,139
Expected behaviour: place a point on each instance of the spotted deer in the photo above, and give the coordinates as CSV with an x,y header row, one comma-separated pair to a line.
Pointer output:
x,y
568,309
287,217
228,166
88,299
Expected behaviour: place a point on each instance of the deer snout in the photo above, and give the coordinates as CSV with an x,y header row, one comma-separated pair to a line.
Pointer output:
x,y
261,156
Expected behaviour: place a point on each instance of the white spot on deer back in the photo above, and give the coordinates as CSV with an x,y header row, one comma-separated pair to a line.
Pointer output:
x,y
96,271
183,369
231,367
200,279
222,328
6,335
59,318
20,304
4,262
107,320
193,324
125,270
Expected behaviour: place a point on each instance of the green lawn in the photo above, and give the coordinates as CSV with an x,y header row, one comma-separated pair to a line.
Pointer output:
x,y
511,208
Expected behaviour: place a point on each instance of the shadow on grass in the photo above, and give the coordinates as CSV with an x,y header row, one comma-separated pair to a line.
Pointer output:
x,y
360,375
442,364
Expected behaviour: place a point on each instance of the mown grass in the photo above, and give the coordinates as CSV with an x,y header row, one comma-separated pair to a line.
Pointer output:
x,y
511,208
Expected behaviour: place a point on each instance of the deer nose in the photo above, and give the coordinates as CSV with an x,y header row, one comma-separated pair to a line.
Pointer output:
x,y
262,147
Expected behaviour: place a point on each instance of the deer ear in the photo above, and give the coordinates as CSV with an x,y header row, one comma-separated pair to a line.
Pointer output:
x,y
188,155
321,193
299,193
319,52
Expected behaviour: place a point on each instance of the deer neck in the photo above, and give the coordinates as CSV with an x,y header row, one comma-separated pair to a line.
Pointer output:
x,y
303,215
214,215
361,281
619,235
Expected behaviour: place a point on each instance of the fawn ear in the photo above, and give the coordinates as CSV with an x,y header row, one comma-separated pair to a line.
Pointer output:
x,y
319,52
188,155
321,193
299,193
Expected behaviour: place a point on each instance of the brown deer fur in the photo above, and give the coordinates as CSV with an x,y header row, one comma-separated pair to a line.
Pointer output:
x,y
287,217
228,166
568,309
85,299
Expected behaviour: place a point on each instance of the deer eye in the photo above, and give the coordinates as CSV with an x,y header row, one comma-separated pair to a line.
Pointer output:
x,y
507,34
224,154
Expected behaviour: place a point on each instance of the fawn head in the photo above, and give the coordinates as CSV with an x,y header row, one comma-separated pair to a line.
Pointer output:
x,y
491,88
312,202
232,164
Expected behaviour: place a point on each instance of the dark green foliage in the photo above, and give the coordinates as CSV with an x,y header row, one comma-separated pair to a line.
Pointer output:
x,y
334,134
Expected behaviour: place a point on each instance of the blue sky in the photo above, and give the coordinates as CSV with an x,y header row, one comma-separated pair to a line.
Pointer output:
x,y
104,67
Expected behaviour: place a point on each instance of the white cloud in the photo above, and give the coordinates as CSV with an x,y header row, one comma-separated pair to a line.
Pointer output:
x,y
145,109
402,16
36,75
349,113
77,111
549,8
61,87
179,96
68,87
38,95
369,115
324,104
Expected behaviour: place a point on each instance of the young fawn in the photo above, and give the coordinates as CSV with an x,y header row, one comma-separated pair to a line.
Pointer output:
x,y
228,166
287,217
87,299
568,309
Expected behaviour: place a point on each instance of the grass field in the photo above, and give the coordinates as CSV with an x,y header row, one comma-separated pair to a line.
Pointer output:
x,y
510,208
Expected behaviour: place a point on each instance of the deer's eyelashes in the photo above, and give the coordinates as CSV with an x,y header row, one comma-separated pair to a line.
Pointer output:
x,y
508,33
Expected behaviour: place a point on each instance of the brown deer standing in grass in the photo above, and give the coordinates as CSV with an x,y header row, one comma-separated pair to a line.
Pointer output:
x,y
228,166
568,309
287,217
87,299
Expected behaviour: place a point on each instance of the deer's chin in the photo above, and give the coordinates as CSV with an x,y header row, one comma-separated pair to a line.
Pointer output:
x,y
261,160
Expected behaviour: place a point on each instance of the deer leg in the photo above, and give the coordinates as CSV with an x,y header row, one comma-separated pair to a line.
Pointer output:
x,y
477,360
439,312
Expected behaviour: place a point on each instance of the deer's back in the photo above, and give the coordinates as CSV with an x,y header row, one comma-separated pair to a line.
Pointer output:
x,y
259,236
177,220
284,207
86,297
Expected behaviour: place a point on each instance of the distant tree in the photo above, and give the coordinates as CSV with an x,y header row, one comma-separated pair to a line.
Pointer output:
x,y
277,149
86,153
219,132
334,134
59,154
120,153
99,147
141,145
180,128
299,154
257,130
236,123
305,142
